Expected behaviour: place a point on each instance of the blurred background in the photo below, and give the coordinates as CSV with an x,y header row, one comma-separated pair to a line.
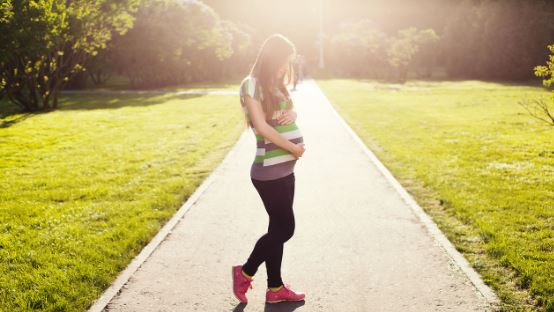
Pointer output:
x,y
156,43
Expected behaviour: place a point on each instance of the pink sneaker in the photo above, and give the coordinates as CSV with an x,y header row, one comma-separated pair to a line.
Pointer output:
x,y
240,284
284,294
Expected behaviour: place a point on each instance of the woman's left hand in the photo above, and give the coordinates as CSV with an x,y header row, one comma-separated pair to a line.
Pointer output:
x,y
288,117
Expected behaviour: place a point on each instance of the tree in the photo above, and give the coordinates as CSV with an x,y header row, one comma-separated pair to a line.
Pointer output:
x,y
461,39
243,54
542,109
45,43
425,58
404,48
497,40
173,41
514,34
547,71
358,49
100,67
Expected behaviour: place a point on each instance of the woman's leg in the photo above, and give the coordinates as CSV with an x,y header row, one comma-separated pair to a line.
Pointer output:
x,y
277,198
274,260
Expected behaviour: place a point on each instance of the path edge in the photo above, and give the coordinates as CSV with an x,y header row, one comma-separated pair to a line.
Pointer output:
x,y
430,225
102,302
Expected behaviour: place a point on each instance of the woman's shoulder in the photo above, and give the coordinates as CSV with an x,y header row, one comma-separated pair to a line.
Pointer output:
x,y
248,80
249,87
245,84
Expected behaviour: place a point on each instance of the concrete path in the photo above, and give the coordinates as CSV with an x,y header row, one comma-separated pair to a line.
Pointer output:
x,y
358,244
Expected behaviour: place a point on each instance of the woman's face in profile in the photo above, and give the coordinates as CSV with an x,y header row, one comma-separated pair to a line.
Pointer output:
x,y
283,68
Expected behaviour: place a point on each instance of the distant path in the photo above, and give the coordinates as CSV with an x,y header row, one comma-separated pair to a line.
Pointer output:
x,y
360,244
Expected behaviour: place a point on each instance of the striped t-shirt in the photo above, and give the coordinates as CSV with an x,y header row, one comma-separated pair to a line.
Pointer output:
x,y
271,161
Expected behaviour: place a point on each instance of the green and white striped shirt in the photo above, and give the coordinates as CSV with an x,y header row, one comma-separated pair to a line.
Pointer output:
x,y
271,161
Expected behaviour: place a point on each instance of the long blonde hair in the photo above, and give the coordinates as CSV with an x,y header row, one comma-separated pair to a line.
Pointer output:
x,y
275,50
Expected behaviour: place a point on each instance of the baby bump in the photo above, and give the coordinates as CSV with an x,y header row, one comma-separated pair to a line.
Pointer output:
x,y
274,154
290,132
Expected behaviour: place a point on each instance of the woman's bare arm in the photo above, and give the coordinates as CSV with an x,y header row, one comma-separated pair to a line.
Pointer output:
x,y
263,128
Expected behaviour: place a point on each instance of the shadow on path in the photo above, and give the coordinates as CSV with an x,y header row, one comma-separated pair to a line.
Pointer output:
x,y
274,307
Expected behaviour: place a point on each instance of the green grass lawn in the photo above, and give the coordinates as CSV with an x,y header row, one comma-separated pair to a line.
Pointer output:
x,y
477,163
85,187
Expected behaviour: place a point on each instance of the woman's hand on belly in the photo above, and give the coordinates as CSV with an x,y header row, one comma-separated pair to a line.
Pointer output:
x,y
299,150
288,117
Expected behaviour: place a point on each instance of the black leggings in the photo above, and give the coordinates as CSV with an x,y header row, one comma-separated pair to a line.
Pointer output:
x,y
277,196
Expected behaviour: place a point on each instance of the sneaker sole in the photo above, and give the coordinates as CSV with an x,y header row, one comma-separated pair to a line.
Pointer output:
x,y
277,301
233,285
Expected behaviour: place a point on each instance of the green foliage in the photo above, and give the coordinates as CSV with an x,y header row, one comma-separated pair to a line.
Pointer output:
x,y
406,46
6,13
99,68
242,47
175,42
547,71
459,40
541,108
497,40
360,49
46,42
479,39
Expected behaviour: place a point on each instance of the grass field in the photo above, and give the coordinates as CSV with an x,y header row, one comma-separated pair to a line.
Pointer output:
x,y
477,163
85,187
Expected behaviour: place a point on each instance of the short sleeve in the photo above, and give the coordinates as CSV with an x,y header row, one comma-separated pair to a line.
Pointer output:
x,y
247,88
250,87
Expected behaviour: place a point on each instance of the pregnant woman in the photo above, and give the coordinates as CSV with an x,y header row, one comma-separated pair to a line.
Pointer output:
x,y
268,111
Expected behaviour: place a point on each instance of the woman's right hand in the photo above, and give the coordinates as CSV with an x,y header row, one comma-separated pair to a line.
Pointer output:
x,y
298,150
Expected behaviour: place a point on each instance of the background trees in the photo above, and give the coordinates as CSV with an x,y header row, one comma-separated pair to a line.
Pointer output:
x,y
172,42
45,43
477,39
360,49
50,42
412,49
498,40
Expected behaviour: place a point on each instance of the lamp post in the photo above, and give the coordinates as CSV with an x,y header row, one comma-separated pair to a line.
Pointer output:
x,y
320,41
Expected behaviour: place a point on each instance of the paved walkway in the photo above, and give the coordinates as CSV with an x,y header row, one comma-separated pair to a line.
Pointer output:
x,y
358,245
